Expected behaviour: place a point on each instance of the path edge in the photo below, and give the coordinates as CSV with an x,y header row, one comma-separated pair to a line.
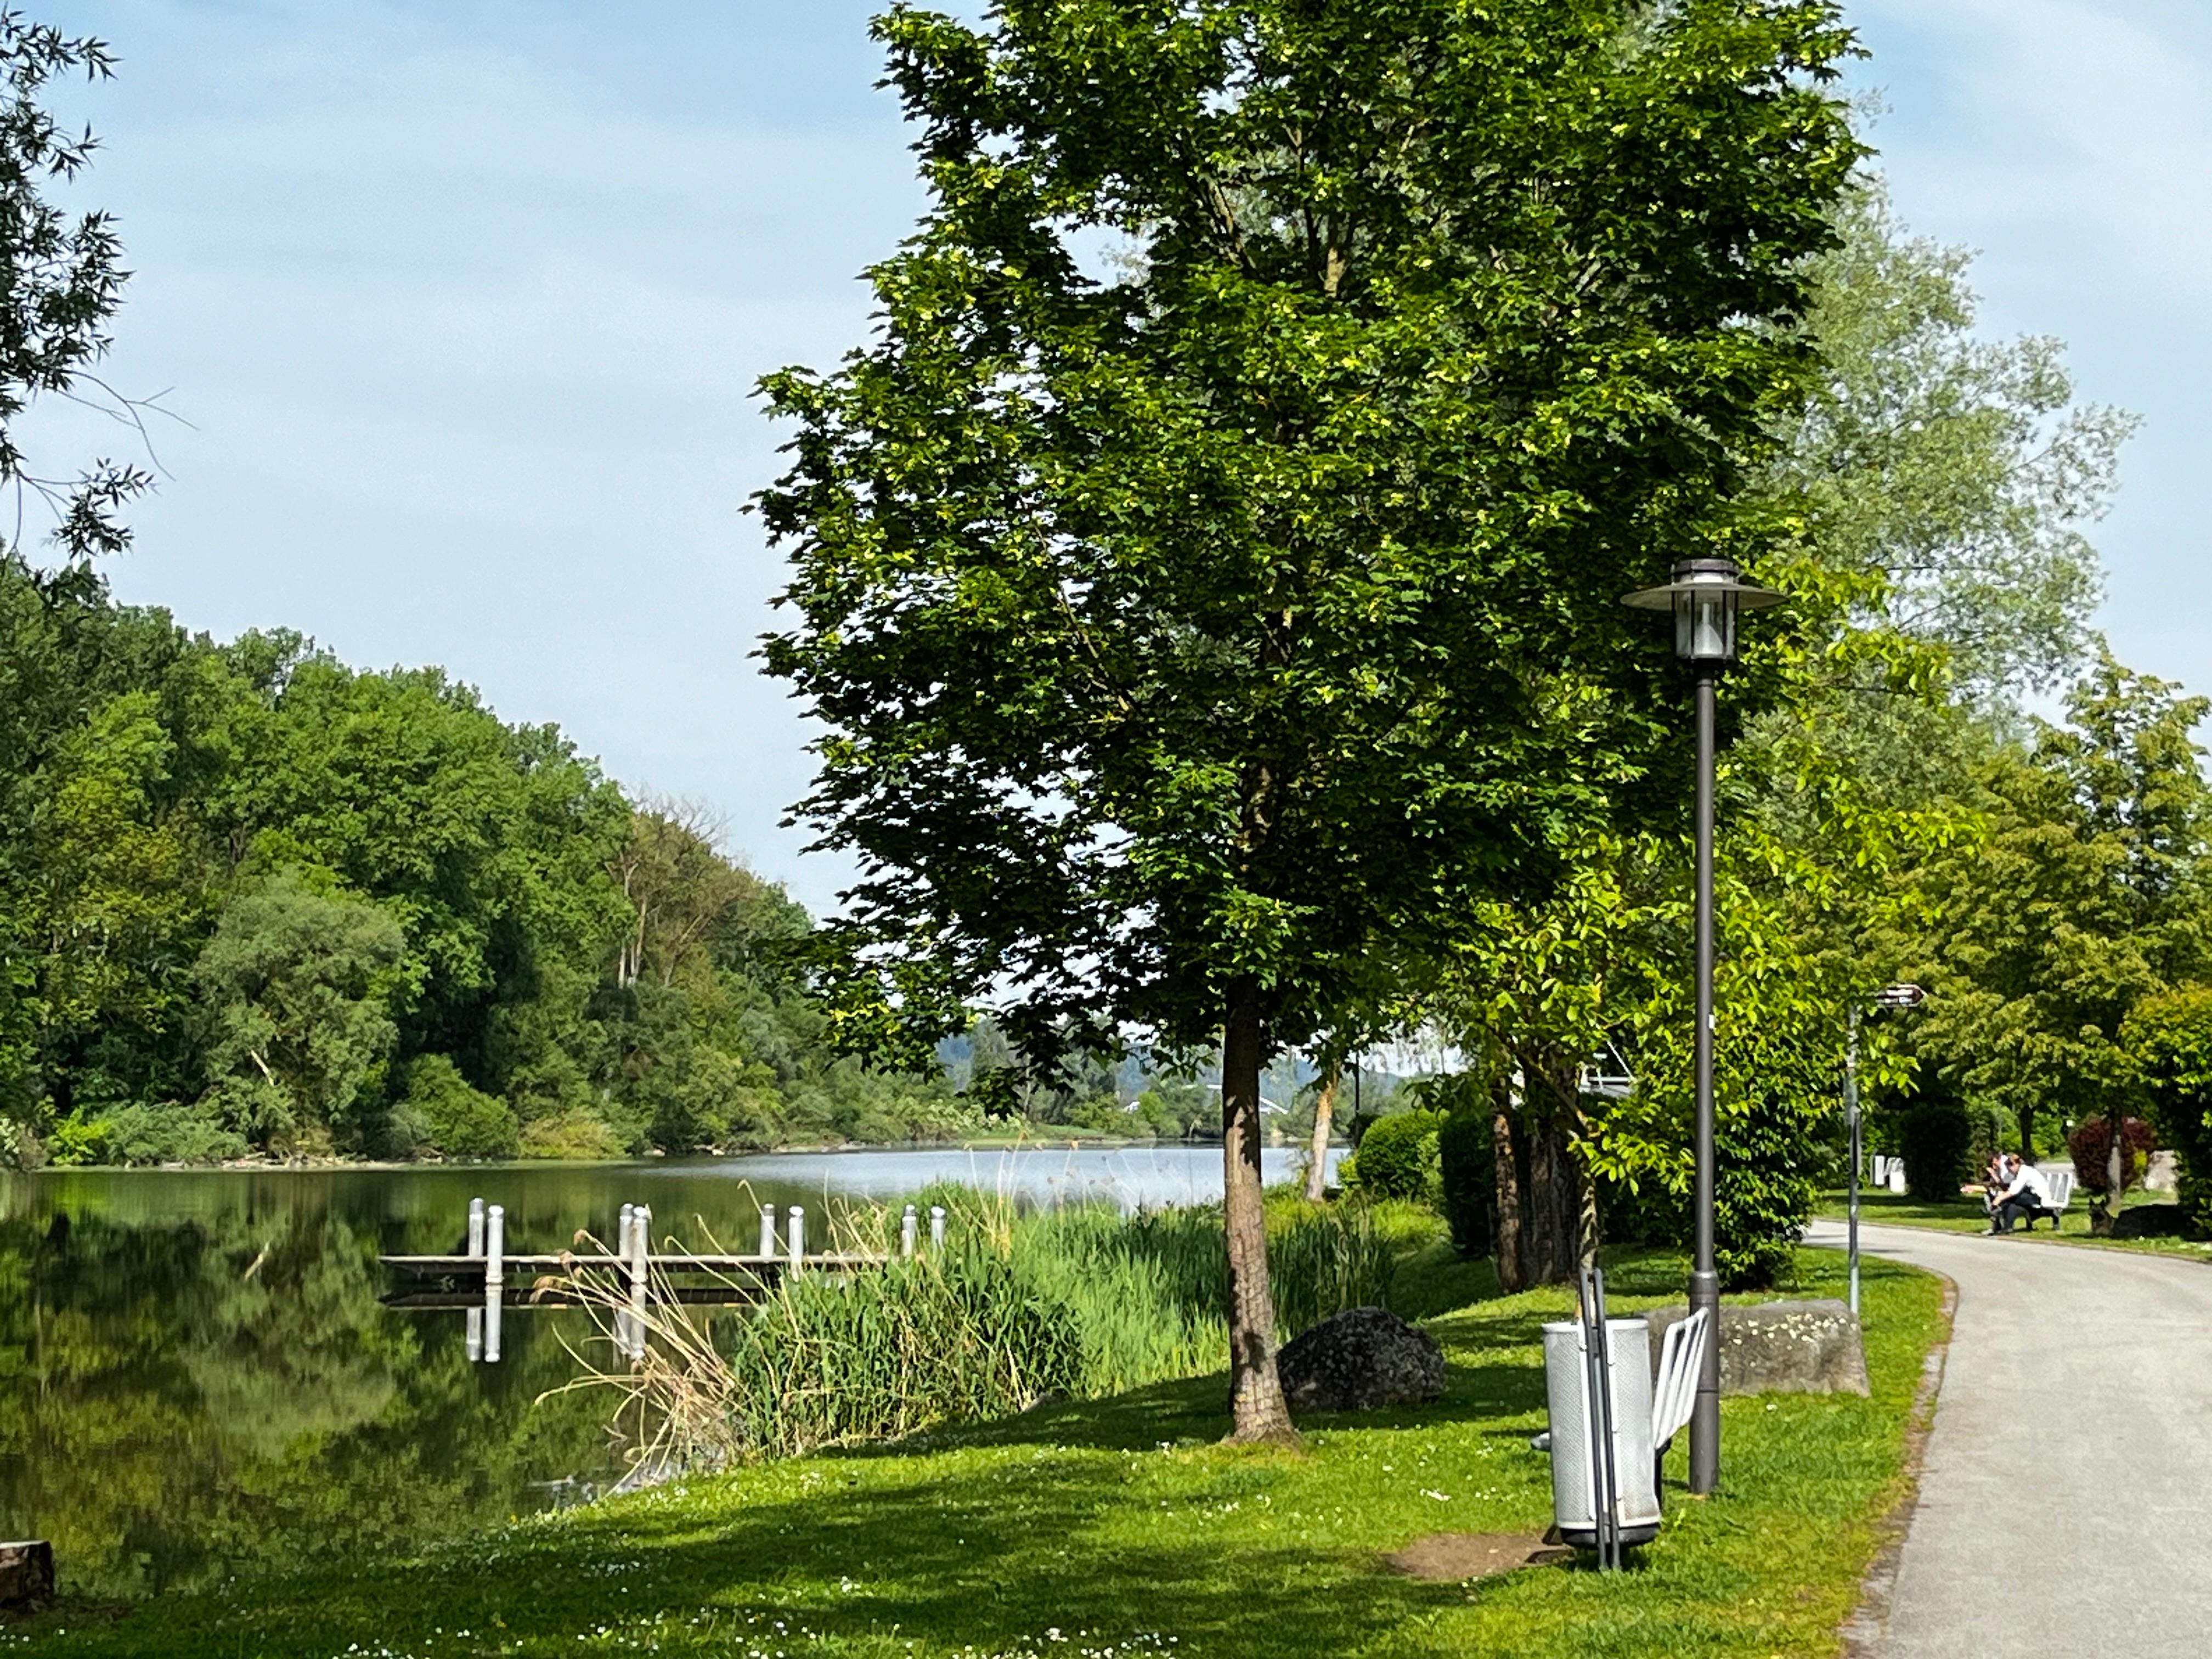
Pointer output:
x,y
1866,1633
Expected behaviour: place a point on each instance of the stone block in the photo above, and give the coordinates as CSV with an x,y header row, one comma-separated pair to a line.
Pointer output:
x,y
1781,1347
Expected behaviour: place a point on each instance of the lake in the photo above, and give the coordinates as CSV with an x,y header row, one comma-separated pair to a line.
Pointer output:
x,y
197,1375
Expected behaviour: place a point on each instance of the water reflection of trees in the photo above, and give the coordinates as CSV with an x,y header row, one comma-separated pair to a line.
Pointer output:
x,y
181,1400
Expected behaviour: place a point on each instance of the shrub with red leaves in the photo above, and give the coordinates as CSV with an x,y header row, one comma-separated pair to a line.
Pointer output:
x,y
2091,1143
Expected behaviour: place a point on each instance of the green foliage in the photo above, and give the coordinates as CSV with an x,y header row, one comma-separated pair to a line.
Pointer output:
x,y
1466,1153
2168,1037
1767,1176
296,985
1397,1158
576,1132
1988,1132
135,1134
62,273
1944,483
1149,681
1935,1140
2086,895
245,891
456,1119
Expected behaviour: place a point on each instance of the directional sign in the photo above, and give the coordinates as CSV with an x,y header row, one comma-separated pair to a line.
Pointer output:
x,y
1899,996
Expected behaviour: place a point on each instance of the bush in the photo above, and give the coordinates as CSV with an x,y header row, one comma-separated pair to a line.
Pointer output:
x,y
2169,1038
1397,1158
574,1133
148,1135
1936,1140
457,1119
1648,1213
2091,1144
1467,1159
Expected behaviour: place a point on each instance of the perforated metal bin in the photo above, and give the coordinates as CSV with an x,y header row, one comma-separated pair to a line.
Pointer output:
x,y
1574,1481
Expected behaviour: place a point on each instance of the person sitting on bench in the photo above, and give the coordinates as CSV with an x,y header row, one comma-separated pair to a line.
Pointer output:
x,y
2027,1193
1995,1179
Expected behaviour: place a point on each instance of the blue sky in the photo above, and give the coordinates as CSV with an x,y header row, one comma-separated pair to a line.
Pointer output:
x,y
465,301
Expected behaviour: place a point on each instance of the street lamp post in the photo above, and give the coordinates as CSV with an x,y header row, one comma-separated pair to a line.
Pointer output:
x,y
1890,996
1706,596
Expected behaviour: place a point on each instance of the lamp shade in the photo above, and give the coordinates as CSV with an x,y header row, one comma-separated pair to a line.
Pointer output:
x,y
1706,596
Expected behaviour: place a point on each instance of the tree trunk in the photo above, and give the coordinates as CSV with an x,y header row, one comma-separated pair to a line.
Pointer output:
x,y
1255,1394
2028,1135
1506,1254
1550,1204
1324,1112
2105,1210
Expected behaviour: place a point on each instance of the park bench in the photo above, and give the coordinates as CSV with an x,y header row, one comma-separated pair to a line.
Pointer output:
x,y
2061,1182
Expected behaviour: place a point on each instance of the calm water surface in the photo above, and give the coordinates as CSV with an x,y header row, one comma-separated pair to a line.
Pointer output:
x,y
198,1376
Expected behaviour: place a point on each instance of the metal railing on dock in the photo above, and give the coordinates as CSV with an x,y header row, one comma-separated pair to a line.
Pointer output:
x,y
476,1280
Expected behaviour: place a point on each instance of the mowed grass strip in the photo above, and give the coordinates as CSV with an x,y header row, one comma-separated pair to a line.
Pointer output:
x,y
1118,1528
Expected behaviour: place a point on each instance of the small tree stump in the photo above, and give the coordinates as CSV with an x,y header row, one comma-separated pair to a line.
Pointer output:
x,y
27,1573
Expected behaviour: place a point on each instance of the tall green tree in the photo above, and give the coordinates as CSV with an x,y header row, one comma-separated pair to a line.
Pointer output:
x,y
2086,894
299,985
1194,630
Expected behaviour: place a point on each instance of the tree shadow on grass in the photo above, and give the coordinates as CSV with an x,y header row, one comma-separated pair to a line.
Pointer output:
x,y
1008,1558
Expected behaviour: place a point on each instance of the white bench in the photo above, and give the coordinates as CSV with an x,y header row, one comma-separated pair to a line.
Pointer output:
x,y
2060,1180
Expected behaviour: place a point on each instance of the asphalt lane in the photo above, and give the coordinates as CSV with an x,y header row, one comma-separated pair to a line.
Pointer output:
x,y
2066,1501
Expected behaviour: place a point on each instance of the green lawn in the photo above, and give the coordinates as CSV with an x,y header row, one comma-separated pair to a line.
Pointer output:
x,y
1120,1528
1965,1215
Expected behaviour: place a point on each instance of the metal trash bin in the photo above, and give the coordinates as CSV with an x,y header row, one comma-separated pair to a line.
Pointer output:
x,y
1635,1460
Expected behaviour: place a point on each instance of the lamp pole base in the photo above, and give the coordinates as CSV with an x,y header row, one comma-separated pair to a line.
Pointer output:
x,y
1705,1413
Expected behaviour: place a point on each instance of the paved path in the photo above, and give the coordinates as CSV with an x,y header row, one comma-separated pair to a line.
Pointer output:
x,y
2066,1506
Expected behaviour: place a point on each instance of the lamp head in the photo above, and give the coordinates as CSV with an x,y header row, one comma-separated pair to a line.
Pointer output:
x,y
1706,596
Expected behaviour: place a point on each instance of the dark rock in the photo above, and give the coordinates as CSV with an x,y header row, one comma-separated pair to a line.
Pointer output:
x,y
1781,1347
27,1574
2151,1221
1358,1359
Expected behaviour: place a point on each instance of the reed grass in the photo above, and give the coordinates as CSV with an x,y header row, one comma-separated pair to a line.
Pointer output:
x,y
1077,1302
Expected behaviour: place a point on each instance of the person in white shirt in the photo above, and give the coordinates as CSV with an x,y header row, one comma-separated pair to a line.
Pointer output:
x,y
2025,1192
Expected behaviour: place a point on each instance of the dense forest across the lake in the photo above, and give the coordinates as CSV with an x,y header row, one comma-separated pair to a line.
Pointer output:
x,y
256,901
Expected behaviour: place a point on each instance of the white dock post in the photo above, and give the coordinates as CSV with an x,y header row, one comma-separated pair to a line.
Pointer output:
x,y
936,1228
640,1233
797,1239
476,1226
493,1303
495,1277
622,1234
768,1232
476,1335
907,1231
